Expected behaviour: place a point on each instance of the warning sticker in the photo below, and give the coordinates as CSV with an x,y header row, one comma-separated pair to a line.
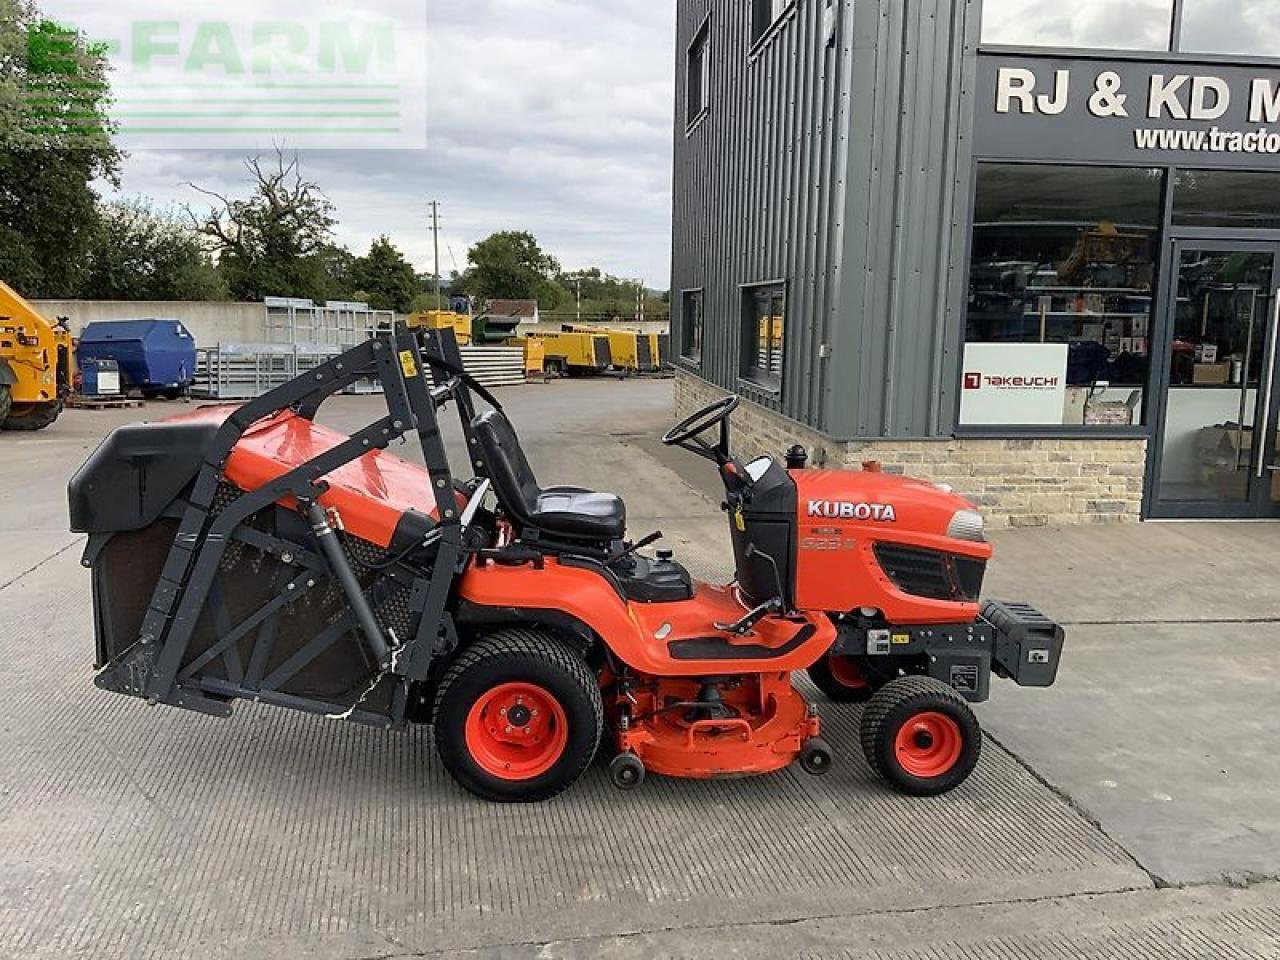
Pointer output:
x,y
408,364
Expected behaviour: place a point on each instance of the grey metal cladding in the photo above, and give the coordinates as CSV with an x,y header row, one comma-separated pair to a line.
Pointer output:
x,y
914,64
839,161
758,186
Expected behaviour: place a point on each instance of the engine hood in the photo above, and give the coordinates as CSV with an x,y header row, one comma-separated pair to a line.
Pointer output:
x,y
904,507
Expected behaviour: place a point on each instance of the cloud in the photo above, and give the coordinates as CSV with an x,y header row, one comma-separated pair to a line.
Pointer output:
x,y
1135,24
548,115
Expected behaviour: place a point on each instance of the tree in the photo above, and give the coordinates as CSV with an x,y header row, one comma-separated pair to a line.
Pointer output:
x,y
328,273
608,297
275,242
511,266
140,253
385,278
57,142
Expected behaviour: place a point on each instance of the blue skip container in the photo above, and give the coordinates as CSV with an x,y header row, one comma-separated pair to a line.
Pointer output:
x,y
157,357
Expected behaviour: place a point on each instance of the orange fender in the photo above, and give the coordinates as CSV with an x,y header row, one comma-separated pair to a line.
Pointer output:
x,y
641,634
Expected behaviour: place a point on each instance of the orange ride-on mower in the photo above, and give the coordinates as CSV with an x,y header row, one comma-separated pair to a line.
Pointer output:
x,y
251,553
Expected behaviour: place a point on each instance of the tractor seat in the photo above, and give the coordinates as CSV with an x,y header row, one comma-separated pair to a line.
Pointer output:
x,y
570,513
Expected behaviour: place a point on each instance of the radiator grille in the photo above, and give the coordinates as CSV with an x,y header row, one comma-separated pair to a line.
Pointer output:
x,y
931,574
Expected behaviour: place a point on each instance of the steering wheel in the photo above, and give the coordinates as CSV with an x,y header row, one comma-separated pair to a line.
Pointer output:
x,y
702,421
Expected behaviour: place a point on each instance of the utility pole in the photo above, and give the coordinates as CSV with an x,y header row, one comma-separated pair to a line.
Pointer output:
x,y
577,284
435,236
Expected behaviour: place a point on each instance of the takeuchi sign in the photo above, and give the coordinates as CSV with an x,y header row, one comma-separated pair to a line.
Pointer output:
x,y
1111,111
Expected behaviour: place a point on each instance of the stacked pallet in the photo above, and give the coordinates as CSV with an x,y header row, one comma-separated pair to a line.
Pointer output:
x,y
495,366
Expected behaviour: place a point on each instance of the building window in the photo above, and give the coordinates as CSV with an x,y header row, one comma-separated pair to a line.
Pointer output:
x,y
1244,27
1239,200
1092,24
691,326
1058,327
764,320
698,77
764,14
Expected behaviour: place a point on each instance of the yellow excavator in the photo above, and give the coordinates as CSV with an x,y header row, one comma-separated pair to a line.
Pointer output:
x,y
36,364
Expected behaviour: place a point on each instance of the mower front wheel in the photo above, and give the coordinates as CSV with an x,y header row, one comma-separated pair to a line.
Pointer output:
x,y
518,716
920,736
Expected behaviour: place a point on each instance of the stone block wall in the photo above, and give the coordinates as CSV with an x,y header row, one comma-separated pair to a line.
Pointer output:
x,y
1016,483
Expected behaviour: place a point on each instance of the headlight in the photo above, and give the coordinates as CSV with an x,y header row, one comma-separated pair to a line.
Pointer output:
x,y
967,525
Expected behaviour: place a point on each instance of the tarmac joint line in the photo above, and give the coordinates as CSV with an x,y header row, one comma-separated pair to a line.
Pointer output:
x,y
53,556
1158,882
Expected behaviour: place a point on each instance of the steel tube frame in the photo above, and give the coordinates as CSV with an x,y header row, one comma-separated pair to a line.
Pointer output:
x,y
154,666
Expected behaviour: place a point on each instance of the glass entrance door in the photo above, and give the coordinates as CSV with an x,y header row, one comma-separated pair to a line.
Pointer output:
x,y
1216,448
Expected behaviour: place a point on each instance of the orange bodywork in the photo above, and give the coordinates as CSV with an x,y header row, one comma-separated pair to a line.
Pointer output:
x,y
640,634
767,728
836,568
370,493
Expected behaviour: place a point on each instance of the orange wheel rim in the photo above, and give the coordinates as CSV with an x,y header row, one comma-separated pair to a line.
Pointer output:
x,y
847,672
928,745
516,731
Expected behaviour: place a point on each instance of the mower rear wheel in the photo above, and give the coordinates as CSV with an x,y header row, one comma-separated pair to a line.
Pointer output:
x,y
6,402
920,736
844,679
518,716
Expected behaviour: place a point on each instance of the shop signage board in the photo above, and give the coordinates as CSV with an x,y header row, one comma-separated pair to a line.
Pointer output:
x,y
1127,111
1014,383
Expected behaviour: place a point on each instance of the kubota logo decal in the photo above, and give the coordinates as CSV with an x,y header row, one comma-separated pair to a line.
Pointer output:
x,y
976,381
843,510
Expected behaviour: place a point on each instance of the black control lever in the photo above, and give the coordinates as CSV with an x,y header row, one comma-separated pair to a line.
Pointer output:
x,y
742,627
638,545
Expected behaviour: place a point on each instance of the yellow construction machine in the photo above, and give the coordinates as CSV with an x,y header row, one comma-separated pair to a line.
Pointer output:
x,y
570,353
459,323
36,364
631,352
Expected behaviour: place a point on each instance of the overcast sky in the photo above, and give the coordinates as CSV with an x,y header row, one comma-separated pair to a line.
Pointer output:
x,y
553,116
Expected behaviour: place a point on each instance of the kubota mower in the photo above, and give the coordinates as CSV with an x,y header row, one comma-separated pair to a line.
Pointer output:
x,y
251,553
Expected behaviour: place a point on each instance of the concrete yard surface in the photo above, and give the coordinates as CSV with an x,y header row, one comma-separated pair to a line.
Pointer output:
x,y
1130,811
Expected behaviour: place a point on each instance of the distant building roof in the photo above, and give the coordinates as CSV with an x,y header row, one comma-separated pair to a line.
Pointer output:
x,y
512,308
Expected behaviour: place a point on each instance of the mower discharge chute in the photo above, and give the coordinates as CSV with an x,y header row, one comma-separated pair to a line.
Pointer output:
x,y
250,553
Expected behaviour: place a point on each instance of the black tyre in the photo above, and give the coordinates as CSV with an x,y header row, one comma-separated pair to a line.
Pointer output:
x,y
845,679
6,402
816,757
518,716
920,736
626,771
32,416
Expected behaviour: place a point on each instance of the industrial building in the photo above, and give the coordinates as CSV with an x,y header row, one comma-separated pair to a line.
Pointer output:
x,y
1025,248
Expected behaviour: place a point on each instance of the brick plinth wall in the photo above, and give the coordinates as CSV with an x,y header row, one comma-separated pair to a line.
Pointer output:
x,y
1018,483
